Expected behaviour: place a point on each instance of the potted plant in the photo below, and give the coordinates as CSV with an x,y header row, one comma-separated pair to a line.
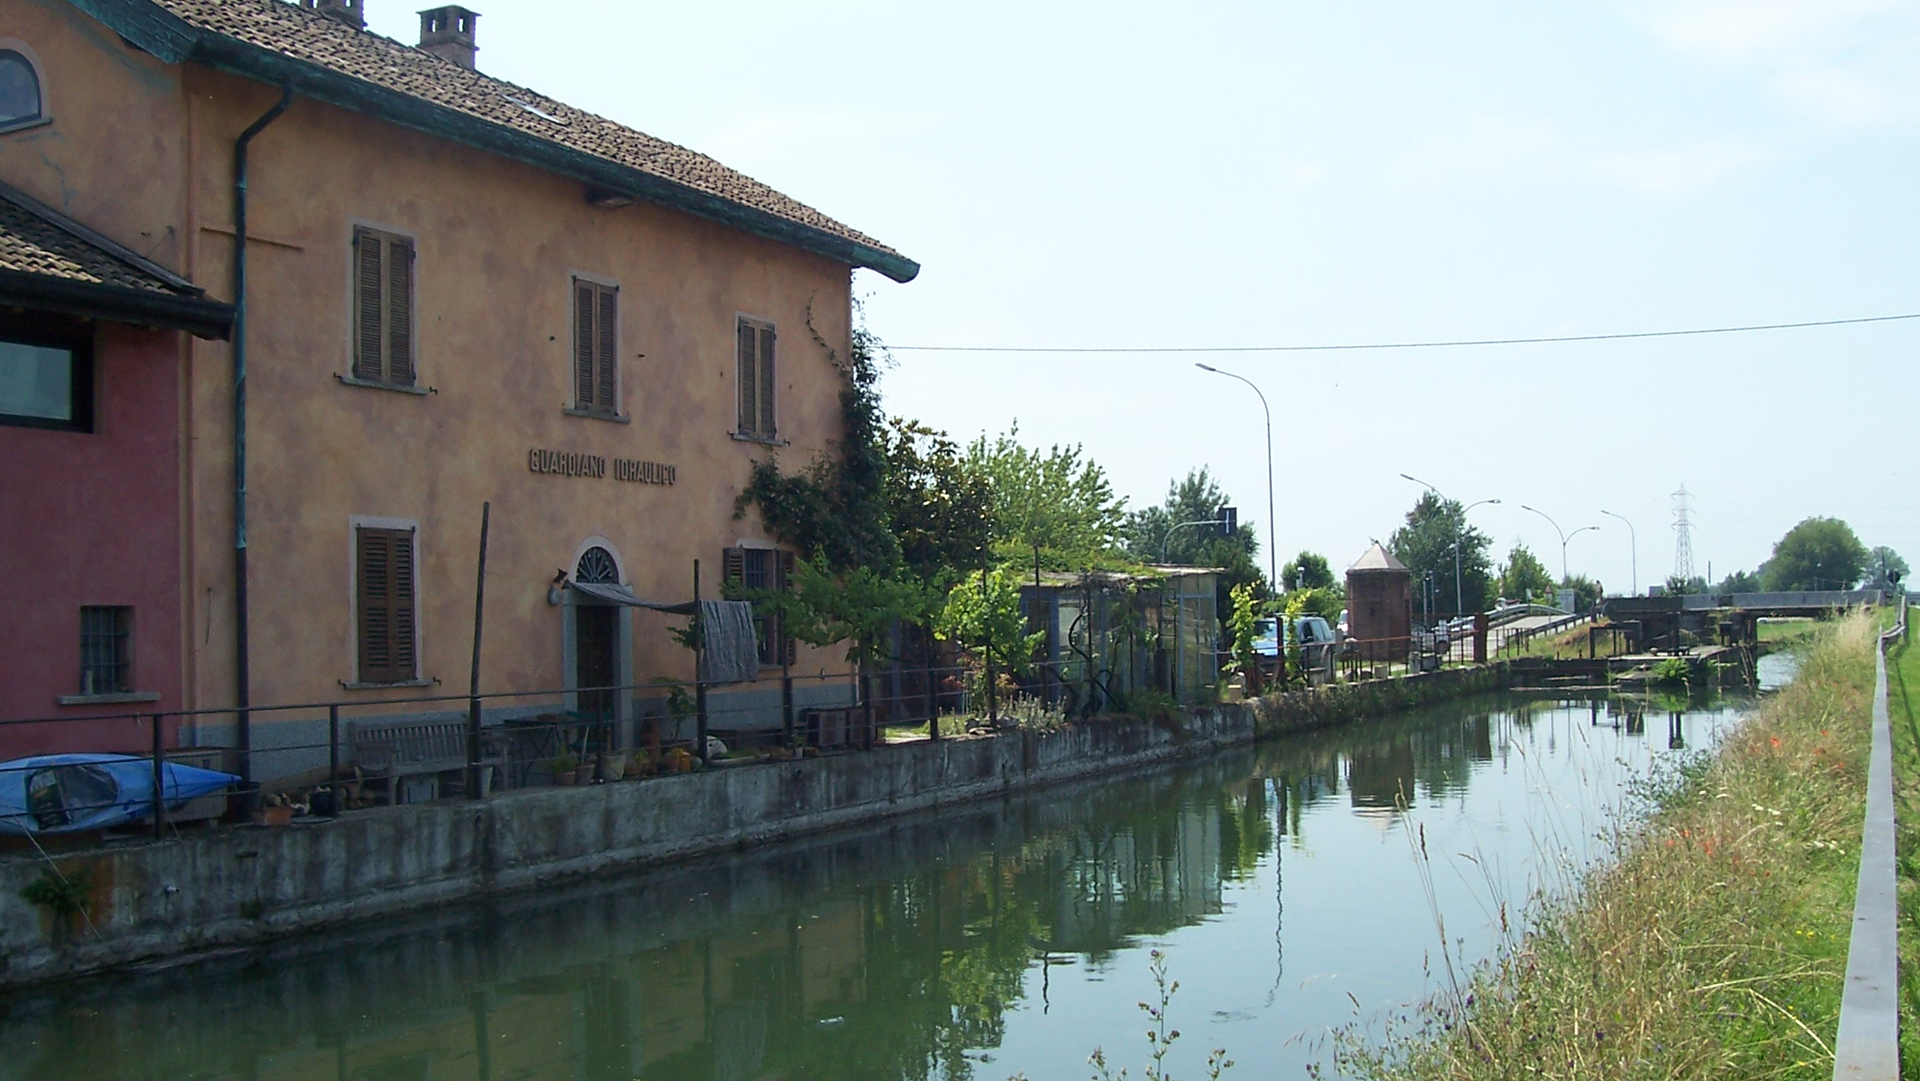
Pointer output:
x,y
564,769
613,766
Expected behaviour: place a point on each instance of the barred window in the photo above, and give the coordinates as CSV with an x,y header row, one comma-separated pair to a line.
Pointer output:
x,y
106,650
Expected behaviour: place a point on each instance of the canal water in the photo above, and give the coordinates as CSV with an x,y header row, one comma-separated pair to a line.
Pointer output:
x,y
1282,884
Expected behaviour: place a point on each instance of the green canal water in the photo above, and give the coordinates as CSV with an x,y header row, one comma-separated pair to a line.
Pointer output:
x,y
1281,883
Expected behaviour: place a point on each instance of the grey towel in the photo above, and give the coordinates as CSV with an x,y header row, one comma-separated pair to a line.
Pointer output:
x,y
730,647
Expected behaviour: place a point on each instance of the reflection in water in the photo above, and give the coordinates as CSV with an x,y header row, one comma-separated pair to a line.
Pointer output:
x,y
978,942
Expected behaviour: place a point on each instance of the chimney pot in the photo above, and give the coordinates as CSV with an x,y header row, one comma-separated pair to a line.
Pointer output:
x,y
351,12
448,33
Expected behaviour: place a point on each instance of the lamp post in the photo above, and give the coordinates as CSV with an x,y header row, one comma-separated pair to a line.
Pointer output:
x,y
1633,540
1273,538
1459,601
1166,539
1564,538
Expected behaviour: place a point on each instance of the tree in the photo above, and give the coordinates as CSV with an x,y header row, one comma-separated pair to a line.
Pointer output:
x,y
1426,545
1586,591
857,606
1682,587
1524,577
1884,568
1055,503
940,508
1198,499
1739,582
986,616
1308,570
1817,554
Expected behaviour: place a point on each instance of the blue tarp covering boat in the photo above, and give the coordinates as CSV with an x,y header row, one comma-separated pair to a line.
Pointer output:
x,y
62,793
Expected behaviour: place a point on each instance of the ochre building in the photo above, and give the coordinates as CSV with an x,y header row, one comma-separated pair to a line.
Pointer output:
x,y
455,291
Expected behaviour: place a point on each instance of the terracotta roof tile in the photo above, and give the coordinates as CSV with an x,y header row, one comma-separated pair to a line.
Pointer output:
x,y
305,35
39,241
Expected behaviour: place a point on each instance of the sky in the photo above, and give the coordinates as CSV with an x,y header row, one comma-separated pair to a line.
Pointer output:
x,y
1284,173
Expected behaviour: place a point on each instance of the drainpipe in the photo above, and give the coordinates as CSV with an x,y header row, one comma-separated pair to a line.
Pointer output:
x,y
243,683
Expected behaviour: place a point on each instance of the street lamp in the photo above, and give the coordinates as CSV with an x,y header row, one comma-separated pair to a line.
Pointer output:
x,y
1459,602
1564,538
1634,540
1273,538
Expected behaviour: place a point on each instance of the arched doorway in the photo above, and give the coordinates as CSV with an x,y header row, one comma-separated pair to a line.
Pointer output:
x,y
596,638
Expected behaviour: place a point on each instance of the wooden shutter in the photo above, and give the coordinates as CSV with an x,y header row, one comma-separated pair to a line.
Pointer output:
x,y
402,633
749,370
400,311
375,563
385,582
369,255
789,647
608,345
734,566
766,381
583,344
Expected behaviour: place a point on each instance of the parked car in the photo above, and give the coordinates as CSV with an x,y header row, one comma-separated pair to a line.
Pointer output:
x,y
1312,633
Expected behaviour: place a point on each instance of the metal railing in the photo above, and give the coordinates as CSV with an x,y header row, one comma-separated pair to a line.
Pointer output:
x,y
506,740
1867,1046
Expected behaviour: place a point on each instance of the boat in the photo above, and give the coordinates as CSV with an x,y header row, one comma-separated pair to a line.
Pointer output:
x,y
65,793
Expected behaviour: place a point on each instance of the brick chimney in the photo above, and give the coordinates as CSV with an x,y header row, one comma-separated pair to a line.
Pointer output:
x,y
447,33
351,12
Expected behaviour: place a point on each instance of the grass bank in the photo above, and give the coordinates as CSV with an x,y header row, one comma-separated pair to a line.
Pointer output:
x,y
1713,946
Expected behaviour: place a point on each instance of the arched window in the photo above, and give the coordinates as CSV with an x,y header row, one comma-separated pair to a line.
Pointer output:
x,y
597,567
20,100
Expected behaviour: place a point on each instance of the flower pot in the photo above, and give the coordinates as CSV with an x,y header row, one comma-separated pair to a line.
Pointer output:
x,y
279,815
612,767
583,774
564,778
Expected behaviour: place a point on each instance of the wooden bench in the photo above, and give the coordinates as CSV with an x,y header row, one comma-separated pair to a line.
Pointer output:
x,y
398,749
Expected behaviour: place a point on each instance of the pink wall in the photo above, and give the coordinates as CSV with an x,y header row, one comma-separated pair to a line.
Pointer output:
x,y
93,519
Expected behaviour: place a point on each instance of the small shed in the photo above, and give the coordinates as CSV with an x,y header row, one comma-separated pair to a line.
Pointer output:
x,y
1380,604
1111,634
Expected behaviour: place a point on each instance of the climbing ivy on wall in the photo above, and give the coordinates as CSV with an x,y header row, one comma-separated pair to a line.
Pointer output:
x,y
836,508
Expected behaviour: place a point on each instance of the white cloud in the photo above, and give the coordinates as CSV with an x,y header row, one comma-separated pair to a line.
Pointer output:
x,y
1748,28
1533,151
1299,177
1675,170
1492,144
1852,63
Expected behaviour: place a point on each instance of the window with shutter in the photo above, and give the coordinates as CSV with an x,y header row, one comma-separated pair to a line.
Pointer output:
x,y
763,570
749,372
384,578
596,347
757,379
383,308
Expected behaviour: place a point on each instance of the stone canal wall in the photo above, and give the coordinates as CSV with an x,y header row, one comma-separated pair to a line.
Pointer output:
x,y
229,887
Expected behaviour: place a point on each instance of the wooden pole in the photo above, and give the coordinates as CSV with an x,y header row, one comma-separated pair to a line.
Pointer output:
x,y
473,684
993,704
699,683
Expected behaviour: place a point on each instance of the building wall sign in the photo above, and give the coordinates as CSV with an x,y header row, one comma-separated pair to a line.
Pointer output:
x,y
569,464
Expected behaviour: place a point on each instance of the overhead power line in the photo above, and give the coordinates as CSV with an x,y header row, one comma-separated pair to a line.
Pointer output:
x,y
1149,349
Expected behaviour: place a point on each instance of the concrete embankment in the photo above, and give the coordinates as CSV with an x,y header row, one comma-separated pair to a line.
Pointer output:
x,y
227,887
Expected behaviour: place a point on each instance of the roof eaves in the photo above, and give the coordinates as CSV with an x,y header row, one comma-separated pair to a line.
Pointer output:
x,y
108,246
148,26
174,40
196,315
